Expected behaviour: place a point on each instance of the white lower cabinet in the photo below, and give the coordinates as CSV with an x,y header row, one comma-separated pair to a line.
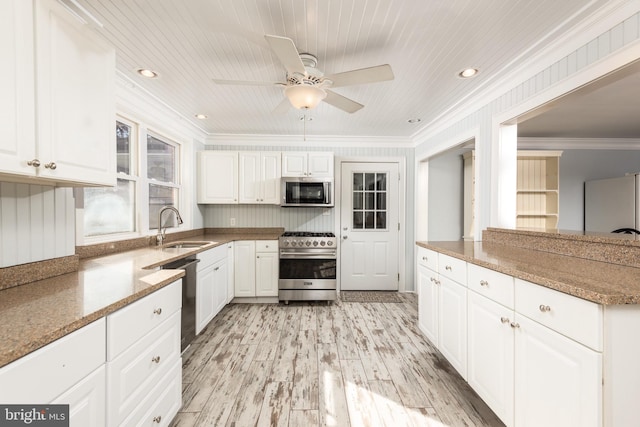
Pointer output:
x,y
212,283
452,325
143,348
230,273
442,311
558,381
491,354
59,373
86,400
256,267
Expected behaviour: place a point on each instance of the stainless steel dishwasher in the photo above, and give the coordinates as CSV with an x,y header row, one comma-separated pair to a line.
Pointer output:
x,y
189,282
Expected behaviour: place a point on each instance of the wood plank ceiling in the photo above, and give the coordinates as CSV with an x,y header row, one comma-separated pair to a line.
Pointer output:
x,y
427,43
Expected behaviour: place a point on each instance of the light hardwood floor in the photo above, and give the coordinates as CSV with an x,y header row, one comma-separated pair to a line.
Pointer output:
x,y
307,364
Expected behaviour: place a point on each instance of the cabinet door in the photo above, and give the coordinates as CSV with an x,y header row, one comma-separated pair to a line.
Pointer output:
x,y
17,108
221,276
230,273
267,274
271,174
558,381
490,354
86,400
294,164
75,86
249,177
320,164
218,177
244,268
205,298
452,326
428,304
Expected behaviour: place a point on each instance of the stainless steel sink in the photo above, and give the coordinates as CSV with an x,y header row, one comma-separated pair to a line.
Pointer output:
x,y
186,245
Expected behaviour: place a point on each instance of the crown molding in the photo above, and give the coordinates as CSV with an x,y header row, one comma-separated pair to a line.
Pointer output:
x,y
526,66
579,143
311,141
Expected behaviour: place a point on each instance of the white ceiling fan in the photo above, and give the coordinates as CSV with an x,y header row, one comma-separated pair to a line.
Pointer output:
x,y
306,86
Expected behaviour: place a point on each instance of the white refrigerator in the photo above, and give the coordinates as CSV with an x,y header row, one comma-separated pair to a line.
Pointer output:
x,y
612,204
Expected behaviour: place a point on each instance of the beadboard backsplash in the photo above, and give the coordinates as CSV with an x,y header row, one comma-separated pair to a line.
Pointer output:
x,y
36,222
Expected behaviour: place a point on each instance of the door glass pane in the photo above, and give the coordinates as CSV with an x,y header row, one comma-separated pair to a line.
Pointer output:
x,y
160,196
110,210
369,201
161,160
369,181
357,220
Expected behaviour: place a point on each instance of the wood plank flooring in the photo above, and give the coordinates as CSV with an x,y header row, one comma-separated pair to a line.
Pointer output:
x,y
346,364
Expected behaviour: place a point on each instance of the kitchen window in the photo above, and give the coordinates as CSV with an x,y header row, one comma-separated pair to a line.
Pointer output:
x,y
148,179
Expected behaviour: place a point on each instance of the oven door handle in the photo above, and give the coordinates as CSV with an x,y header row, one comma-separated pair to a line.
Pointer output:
x,y
302,255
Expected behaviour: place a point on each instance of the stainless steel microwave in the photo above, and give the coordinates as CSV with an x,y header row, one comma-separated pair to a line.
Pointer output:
x,y
307,192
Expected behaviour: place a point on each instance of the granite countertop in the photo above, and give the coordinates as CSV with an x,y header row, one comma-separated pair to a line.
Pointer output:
x,y
597,281
36,314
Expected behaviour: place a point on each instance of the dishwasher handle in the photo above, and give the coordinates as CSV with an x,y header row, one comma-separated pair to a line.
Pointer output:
x,y
177,265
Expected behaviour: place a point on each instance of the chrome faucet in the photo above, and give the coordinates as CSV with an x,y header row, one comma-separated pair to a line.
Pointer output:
x,y
161,233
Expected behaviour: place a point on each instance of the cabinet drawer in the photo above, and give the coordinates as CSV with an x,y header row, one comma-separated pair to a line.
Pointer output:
x,y
492,284
43,375
428,258
209,257
453,268
161,405
266,246
128,325
134,373
573,317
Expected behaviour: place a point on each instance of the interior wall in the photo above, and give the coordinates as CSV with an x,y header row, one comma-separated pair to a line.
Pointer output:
x,y
446,197
599,54
578,166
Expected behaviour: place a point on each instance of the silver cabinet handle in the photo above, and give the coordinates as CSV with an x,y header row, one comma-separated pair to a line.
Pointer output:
x,y
447,267
515,325
157,419
424,258
504,319
544,308
484,283
35,163
51,165
216,269
157,311
345,237
437,281
156,359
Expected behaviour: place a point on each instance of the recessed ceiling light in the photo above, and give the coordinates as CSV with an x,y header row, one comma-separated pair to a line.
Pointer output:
x,y
467,73
201,116
144,72
416,120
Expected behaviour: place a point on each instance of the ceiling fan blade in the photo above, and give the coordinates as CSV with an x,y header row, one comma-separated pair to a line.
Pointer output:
x,y
286,51
376,74
283,107
339,101
246,83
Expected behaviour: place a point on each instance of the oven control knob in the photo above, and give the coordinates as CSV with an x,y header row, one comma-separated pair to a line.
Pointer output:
x,y
330,243
315,243
322,243
293,243
308,243
287,242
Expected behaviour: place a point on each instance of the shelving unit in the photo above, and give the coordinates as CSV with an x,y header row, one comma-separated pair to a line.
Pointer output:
x,y
537,200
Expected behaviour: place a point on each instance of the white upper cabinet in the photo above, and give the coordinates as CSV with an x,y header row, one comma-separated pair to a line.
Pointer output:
x,y
17,144
314,164
259,177
218,177
65,134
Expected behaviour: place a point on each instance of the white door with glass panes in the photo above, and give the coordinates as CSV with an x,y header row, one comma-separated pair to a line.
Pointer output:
x,y
369,227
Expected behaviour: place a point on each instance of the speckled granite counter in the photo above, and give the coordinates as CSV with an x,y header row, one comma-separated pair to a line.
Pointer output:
x,y
596,281
36,314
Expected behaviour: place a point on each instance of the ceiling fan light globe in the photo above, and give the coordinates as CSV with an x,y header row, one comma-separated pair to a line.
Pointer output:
x,y
304,97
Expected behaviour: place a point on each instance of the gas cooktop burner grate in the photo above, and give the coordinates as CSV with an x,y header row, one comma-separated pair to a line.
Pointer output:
x,y
307,234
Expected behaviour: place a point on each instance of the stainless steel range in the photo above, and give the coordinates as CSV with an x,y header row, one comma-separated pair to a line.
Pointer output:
x,y
307,266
